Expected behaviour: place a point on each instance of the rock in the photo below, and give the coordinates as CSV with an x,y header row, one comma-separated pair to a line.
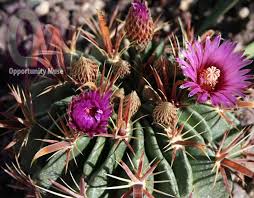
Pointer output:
x,y
70,5
3,37
43,8
86,10
60,19
92,6
244,12
166,28
185,4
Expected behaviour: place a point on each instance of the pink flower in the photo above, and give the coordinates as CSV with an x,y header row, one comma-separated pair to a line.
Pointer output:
x,y
215,71
89,112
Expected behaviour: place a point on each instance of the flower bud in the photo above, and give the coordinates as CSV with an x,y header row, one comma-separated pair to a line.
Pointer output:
x,y
139,25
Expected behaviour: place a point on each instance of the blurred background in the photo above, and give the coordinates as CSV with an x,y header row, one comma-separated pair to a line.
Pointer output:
x,y
234,19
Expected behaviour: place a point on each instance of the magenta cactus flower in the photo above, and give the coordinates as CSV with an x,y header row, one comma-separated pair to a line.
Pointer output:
x,y
89,112
214,71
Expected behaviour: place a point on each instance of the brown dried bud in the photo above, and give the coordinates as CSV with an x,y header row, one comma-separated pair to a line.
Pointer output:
x,y
84,70
121,67
166,114
134,101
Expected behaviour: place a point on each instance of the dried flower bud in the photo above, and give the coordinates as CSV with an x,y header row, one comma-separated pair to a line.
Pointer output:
x,y
135,103
121,67
84,70
166,114
139,25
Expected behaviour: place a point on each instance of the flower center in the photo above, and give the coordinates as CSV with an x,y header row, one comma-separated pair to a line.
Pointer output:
x,y
94,112
209,78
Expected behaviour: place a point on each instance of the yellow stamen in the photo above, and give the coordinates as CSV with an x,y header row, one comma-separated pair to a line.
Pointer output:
x,y
209,77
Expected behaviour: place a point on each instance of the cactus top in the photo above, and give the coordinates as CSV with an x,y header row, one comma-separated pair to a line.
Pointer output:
x,y
89,112
214,71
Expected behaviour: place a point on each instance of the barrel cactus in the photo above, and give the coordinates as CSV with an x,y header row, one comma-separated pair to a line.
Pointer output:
x,y
143,128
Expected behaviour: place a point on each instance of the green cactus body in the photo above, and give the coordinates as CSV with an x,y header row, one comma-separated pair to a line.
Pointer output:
x,y
153,151
99,179
189,173
184,177
55,166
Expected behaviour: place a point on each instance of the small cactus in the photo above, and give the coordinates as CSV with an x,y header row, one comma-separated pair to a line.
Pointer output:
x,y
173,135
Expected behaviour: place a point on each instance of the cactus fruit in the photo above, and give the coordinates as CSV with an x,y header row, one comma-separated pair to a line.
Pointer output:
x,y
117,145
